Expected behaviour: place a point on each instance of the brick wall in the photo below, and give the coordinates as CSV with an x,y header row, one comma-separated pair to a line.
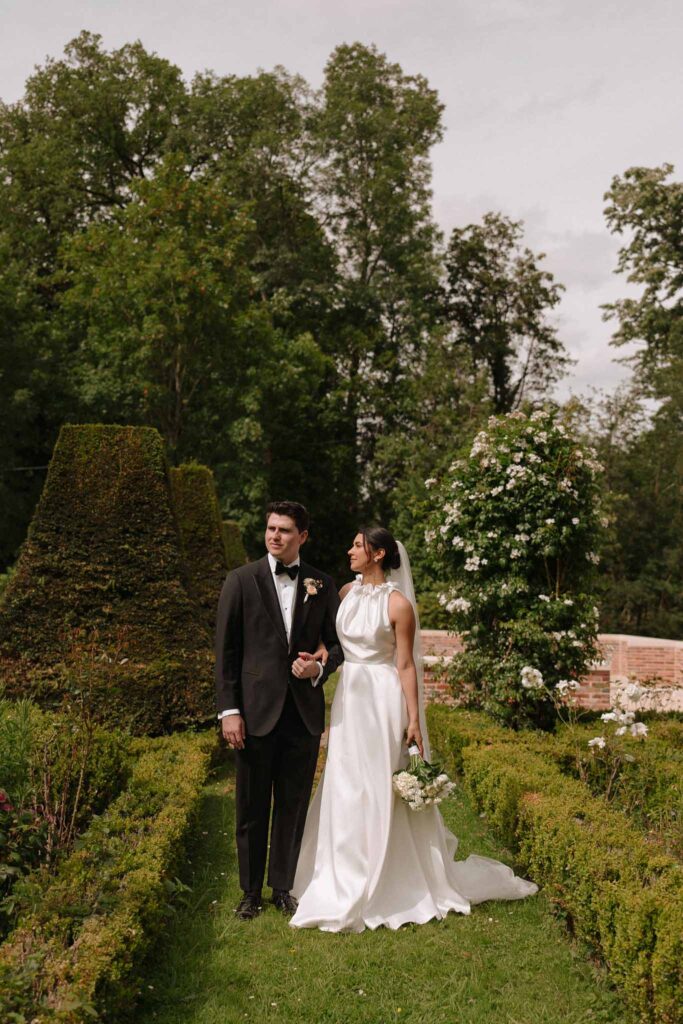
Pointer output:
x,y
658,663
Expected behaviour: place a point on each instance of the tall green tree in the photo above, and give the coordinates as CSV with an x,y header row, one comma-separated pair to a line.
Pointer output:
x,y
642,568
498,301
173,332
444,406
646,207
374,132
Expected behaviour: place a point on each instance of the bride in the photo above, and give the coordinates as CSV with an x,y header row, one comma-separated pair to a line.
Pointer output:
x,y
366,858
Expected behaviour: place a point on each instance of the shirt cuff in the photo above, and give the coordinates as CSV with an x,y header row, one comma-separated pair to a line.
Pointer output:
x,y
321,669
230,711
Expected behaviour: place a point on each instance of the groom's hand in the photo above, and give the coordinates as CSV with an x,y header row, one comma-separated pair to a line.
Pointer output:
x,y
305,666
234,731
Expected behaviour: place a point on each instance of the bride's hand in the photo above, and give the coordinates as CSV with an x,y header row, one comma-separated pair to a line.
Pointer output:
x,y
413,735
322,654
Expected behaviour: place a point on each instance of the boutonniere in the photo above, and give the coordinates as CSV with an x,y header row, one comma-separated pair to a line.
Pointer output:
x,y
312,587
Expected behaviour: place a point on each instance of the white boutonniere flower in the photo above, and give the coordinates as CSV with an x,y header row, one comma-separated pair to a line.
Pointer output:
x,y
312,587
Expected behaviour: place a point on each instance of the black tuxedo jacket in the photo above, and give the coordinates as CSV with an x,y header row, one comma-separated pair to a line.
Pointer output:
x,y
253,658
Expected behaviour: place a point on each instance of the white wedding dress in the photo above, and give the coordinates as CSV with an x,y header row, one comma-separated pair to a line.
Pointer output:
x,y
366,859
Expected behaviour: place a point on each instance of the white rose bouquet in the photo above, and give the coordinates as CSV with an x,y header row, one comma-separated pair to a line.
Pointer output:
x,y
421,784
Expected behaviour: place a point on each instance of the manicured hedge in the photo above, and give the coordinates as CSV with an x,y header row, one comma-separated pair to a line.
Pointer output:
x,y
58,770
616,890
649,788
649,784
75,954
451,731
98,601
201,535
235,553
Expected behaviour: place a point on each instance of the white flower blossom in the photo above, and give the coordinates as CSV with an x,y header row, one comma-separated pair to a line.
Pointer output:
x,y
597,741
531,678
430,482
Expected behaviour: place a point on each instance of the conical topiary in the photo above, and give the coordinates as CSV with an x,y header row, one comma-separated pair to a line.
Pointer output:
x,y
235,553
98,601
201,535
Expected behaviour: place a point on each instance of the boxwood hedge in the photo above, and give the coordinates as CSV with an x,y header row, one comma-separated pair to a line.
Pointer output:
x,y
617,890
75,953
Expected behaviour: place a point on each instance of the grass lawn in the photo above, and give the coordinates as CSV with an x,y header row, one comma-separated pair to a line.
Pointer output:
x,y
507,963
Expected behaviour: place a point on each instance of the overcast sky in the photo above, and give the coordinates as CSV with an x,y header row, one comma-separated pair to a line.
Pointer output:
x,y
545,101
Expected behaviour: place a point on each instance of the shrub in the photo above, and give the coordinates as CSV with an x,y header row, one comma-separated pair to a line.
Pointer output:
x,y
515,528
61,769
98,597
642,777
235,553
615,889
76,951
201,536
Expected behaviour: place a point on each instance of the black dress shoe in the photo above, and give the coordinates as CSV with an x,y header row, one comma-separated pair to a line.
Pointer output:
x,y
249,906
284,902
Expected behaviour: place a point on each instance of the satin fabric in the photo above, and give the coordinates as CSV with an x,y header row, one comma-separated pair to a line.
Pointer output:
x,y
366,859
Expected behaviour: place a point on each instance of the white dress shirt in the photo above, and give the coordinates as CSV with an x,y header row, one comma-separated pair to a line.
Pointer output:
x,y
285,588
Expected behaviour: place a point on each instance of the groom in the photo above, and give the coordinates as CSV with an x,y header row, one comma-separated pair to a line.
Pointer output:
x,y
272,616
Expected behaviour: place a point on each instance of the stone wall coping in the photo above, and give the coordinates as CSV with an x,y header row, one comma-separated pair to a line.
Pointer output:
x,y
629,638
640,641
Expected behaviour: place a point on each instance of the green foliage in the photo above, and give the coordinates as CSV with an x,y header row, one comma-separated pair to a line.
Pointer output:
x,y
373,133
497,304
81,937
20,724
643,780
647,207
235,554
57,770
23,837
97,605
444,405
643,777
615,890
643,561
159,297
513,531
201,535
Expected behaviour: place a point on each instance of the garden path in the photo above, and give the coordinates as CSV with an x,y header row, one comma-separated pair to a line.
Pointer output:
x,y
507,963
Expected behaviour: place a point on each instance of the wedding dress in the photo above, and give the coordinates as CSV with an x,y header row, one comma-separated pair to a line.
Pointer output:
x,y
366,858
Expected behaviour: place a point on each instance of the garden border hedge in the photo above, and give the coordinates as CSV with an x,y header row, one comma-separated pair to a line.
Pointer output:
x,y
75,953
617,891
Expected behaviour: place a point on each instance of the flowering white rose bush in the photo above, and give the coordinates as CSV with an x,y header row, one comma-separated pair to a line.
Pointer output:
x,y
611,756
514,529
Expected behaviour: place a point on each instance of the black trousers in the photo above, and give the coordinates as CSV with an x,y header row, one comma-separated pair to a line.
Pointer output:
x,y
275,772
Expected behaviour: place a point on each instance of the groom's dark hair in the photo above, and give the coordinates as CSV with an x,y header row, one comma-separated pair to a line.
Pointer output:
x,y
292,509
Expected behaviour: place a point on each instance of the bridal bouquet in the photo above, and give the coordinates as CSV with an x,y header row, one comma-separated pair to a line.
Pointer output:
x,y
421,783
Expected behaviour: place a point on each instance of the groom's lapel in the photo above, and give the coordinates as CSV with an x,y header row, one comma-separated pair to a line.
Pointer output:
x,y
263,578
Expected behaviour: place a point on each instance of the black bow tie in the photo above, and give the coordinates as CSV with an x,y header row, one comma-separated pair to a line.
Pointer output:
x,y
291,570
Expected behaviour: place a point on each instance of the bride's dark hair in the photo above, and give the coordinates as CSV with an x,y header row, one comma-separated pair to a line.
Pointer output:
x,y
376,537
